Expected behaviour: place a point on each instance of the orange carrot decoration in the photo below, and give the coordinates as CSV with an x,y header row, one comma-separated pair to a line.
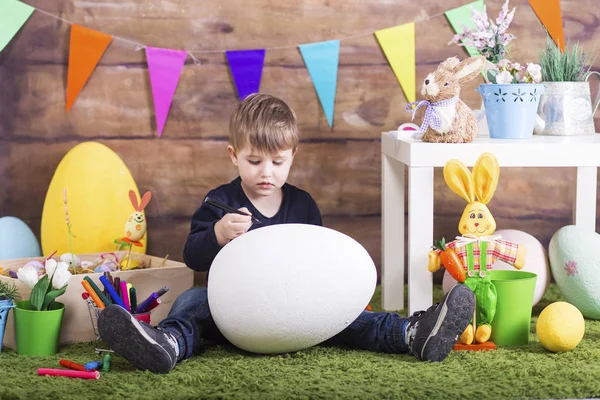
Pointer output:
x,y
451,261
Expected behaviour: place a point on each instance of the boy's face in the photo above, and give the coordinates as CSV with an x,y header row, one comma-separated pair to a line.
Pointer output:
x,y
262,174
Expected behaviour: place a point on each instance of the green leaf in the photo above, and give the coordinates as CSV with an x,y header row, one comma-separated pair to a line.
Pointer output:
x,y
50,296
36,299
492,75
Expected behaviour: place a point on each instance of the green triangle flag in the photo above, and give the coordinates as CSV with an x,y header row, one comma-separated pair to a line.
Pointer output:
x,y
13,14
461,17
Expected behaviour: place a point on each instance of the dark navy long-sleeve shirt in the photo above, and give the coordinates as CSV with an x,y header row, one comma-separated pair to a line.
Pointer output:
x,y
202,247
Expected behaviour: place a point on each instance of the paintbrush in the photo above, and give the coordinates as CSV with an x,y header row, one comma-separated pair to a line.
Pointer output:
x,y
225,207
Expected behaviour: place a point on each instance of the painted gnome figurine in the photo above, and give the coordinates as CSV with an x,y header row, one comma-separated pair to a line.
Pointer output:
x,y
447,118
478,248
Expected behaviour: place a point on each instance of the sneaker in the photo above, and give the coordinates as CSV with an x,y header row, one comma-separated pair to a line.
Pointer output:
x,y
142,345
431,334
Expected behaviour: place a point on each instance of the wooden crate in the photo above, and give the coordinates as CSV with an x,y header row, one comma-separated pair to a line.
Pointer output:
x,y
77,326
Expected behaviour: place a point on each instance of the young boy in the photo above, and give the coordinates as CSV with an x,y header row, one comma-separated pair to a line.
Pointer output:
x,y
263,139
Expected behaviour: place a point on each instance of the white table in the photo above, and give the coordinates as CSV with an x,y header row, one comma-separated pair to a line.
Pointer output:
x,y
421,158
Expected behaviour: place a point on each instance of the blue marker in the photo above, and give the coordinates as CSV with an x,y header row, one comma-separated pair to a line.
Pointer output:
x,y
112,292
92,365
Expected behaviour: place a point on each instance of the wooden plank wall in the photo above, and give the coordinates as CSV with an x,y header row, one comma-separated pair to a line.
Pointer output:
x,y
339,166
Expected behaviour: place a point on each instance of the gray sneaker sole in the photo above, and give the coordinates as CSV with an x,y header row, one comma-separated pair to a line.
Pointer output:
x,y
455,314
124,334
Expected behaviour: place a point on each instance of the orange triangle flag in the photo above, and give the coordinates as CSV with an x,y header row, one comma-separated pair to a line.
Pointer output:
x,y
548,12
86,49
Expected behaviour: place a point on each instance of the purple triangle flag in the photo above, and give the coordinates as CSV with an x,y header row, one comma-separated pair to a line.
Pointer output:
x,y
246,67
164,67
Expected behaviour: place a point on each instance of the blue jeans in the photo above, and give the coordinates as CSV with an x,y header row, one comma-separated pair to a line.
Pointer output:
x,y
190,321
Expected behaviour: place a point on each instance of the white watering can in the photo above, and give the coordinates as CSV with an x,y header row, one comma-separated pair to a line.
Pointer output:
x,y
566,108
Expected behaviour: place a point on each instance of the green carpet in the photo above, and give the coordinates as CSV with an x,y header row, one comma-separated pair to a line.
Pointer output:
x,y
324,373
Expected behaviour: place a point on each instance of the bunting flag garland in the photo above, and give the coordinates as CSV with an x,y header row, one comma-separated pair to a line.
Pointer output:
x,y
460,18
13,16
164,67
321,60
246,68
548,12
85,51
398,44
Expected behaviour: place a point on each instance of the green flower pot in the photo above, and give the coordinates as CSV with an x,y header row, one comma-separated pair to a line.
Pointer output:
x,y
38,332
512,322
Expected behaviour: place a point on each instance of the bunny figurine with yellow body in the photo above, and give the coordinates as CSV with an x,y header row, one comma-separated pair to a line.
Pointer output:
x,y
135,227
478,248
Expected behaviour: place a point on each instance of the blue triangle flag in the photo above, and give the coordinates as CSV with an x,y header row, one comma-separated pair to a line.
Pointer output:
x,y
246,68
321,60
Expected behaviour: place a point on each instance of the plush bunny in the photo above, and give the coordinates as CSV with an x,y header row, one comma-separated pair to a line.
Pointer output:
x,y
478,248
447,118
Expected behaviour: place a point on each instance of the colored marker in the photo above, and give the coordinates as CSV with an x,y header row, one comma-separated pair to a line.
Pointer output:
x,y
92,294
106,363
69,373
111,290
125,295
104,299
117,285
154,304
93,365
146,303
71,365
133,299
162,291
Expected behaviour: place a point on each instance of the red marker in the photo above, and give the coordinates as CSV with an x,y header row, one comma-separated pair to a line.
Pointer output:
x,y
69,373
72,365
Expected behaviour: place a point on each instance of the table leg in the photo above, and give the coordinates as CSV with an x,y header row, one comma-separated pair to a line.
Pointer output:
x,y
585,198
420,237
392,233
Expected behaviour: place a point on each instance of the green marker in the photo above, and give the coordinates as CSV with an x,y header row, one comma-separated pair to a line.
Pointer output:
x,y
106,363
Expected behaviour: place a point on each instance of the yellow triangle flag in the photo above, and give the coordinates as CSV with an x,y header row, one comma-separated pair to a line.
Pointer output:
x,y
398,44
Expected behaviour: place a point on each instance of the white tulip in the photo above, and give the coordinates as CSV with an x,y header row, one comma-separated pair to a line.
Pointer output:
x,y
28,276
62,265
61,278
50,267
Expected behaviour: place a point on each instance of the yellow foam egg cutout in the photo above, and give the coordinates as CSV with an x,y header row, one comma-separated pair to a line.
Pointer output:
x,y
97,183
560,327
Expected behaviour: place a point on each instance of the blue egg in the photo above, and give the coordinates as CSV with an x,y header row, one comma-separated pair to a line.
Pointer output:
x,y
17,240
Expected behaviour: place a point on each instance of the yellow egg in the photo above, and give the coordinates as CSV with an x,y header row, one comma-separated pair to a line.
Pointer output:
x,y
97,183
560,327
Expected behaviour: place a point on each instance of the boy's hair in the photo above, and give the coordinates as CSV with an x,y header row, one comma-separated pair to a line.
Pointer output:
x,y
264,122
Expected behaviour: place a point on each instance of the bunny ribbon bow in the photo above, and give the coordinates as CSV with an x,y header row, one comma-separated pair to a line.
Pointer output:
x,y
470,238
432,118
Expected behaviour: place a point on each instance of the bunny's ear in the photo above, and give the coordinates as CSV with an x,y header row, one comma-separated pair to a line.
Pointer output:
x,y
485,176
145,200
459,179
469,69
133,199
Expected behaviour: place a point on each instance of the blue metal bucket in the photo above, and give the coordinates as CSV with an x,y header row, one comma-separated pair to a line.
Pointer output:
x,y
511,108
5,306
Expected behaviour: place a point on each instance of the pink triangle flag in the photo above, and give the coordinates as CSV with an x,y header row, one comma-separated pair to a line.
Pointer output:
x,y
164,67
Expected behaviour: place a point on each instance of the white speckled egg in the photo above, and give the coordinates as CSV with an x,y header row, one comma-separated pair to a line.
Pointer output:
x,y
288,287
573,253
536,261
17,240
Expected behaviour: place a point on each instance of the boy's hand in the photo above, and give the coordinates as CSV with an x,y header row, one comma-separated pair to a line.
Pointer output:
x,y
231,226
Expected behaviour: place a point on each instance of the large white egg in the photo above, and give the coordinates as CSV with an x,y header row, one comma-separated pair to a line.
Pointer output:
x,y
536,261
284,288
17,240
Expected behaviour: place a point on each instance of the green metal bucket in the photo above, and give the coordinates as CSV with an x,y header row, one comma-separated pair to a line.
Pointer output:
x,y
515,289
